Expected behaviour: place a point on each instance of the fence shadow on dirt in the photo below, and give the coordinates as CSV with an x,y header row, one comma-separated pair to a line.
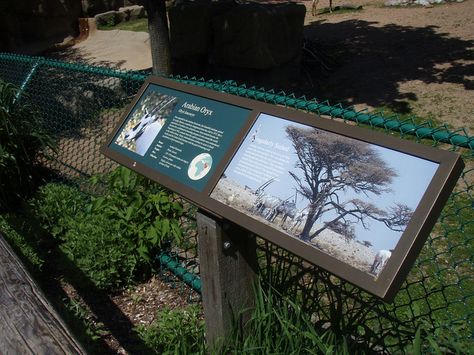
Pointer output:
x,y
372,61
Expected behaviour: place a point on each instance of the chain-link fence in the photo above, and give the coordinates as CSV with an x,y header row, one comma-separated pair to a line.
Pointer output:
x,y
81,104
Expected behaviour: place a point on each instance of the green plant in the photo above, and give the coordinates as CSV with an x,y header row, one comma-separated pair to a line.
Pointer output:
x,y
92,329
21,140
139,25
145,213
177,331
111,237
55,204
430,340
20,244
277,325
98,247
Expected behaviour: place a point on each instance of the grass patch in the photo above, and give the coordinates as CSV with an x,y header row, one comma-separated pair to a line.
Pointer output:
x,y
139,25
336,10
24,243
175,331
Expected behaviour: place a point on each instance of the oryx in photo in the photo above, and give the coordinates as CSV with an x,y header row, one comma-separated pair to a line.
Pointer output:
x,y
148,127
265,203
286,209
380,261
298,220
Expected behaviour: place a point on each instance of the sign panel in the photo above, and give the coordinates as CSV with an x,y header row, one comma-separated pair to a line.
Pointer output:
x,y
355,202
182,136
348,198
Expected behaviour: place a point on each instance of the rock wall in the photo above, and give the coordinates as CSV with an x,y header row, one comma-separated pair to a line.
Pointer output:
x,y
31,26
123,14
229,40
90,8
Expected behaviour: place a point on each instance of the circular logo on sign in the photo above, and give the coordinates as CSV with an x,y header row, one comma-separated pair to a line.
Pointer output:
x,y
200,166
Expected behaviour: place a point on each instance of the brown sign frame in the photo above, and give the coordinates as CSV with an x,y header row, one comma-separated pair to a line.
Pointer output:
x,y
389,280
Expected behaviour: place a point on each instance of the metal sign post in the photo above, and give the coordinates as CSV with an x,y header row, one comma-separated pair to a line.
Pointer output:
x,y
228,262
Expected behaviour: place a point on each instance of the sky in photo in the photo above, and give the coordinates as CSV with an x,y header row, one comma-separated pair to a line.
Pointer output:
x,y
414,176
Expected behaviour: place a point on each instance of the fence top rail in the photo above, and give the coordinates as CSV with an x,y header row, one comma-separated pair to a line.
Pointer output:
x,y
458,138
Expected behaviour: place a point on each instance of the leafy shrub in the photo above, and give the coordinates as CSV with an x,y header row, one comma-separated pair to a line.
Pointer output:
x,y
21,139
111,237
178,331
97,246
146,213
56,204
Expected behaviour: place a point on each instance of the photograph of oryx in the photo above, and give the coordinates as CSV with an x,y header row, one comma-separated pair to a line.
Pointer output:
x,y
346,197
145,121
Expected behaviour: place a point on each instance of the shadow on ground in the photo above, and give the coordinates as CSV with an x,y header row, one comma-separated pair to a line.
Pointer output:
x,y
371,62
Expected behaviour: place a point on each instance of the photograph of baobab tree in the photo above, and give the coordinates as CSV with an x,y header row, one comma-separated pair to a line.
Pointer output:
x,y
348,198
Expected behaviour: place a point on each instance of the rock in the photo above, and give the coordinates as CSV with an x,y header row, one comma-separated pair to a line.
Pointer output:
x,y
31,26
190,27
271,36
91,8
131,12
109,18
210,39
425,3
397,2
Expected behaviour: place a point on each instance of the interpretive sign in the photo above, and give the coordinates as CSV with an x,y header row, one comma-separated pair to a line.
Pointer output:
x,y
355,202
180,135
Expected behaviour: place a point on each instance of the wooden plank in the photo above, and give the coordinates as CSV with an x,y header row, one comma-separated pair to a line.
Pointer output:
x,y
228,264
28,323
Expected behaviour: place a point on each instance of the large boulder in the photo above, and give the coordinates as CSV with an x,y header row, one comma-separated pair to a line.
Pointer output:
x,y
132,12
229,40
30,26
108,18
191,31
123,14
270,36
90,8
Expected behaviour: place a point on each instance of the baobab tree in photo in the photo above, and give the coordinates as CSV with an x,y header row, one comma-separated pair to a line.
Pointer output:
x,y
330,167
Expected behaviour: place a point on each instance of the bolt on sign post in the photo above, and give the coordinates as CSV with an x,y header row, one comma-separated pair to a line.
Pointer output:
x,y
357,203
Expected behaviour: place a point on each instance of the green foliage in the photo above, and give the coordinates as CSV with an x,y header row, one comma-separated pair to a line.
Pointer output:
x,y
146,214
139,25
20,244
21,139
178,331
279,326
92,242
56,204
111,237
428,340
97,246
92,329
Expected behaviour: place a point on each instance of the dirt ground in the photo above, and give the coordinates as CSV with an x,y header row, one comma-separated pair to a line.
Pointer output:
x,y
412,60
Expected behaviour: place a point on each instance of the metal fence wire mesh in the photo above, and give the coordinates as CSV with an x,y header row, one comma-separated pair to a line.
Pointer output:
x,y
81,104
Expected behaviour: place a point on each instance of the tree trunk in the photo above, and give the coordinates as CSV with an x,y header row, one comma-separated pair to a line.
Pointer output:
x,y
159,36
309,224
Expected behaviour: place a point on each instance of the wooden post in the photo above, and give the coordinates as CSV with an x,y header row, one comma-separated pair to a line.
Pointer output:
x,y
228,262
